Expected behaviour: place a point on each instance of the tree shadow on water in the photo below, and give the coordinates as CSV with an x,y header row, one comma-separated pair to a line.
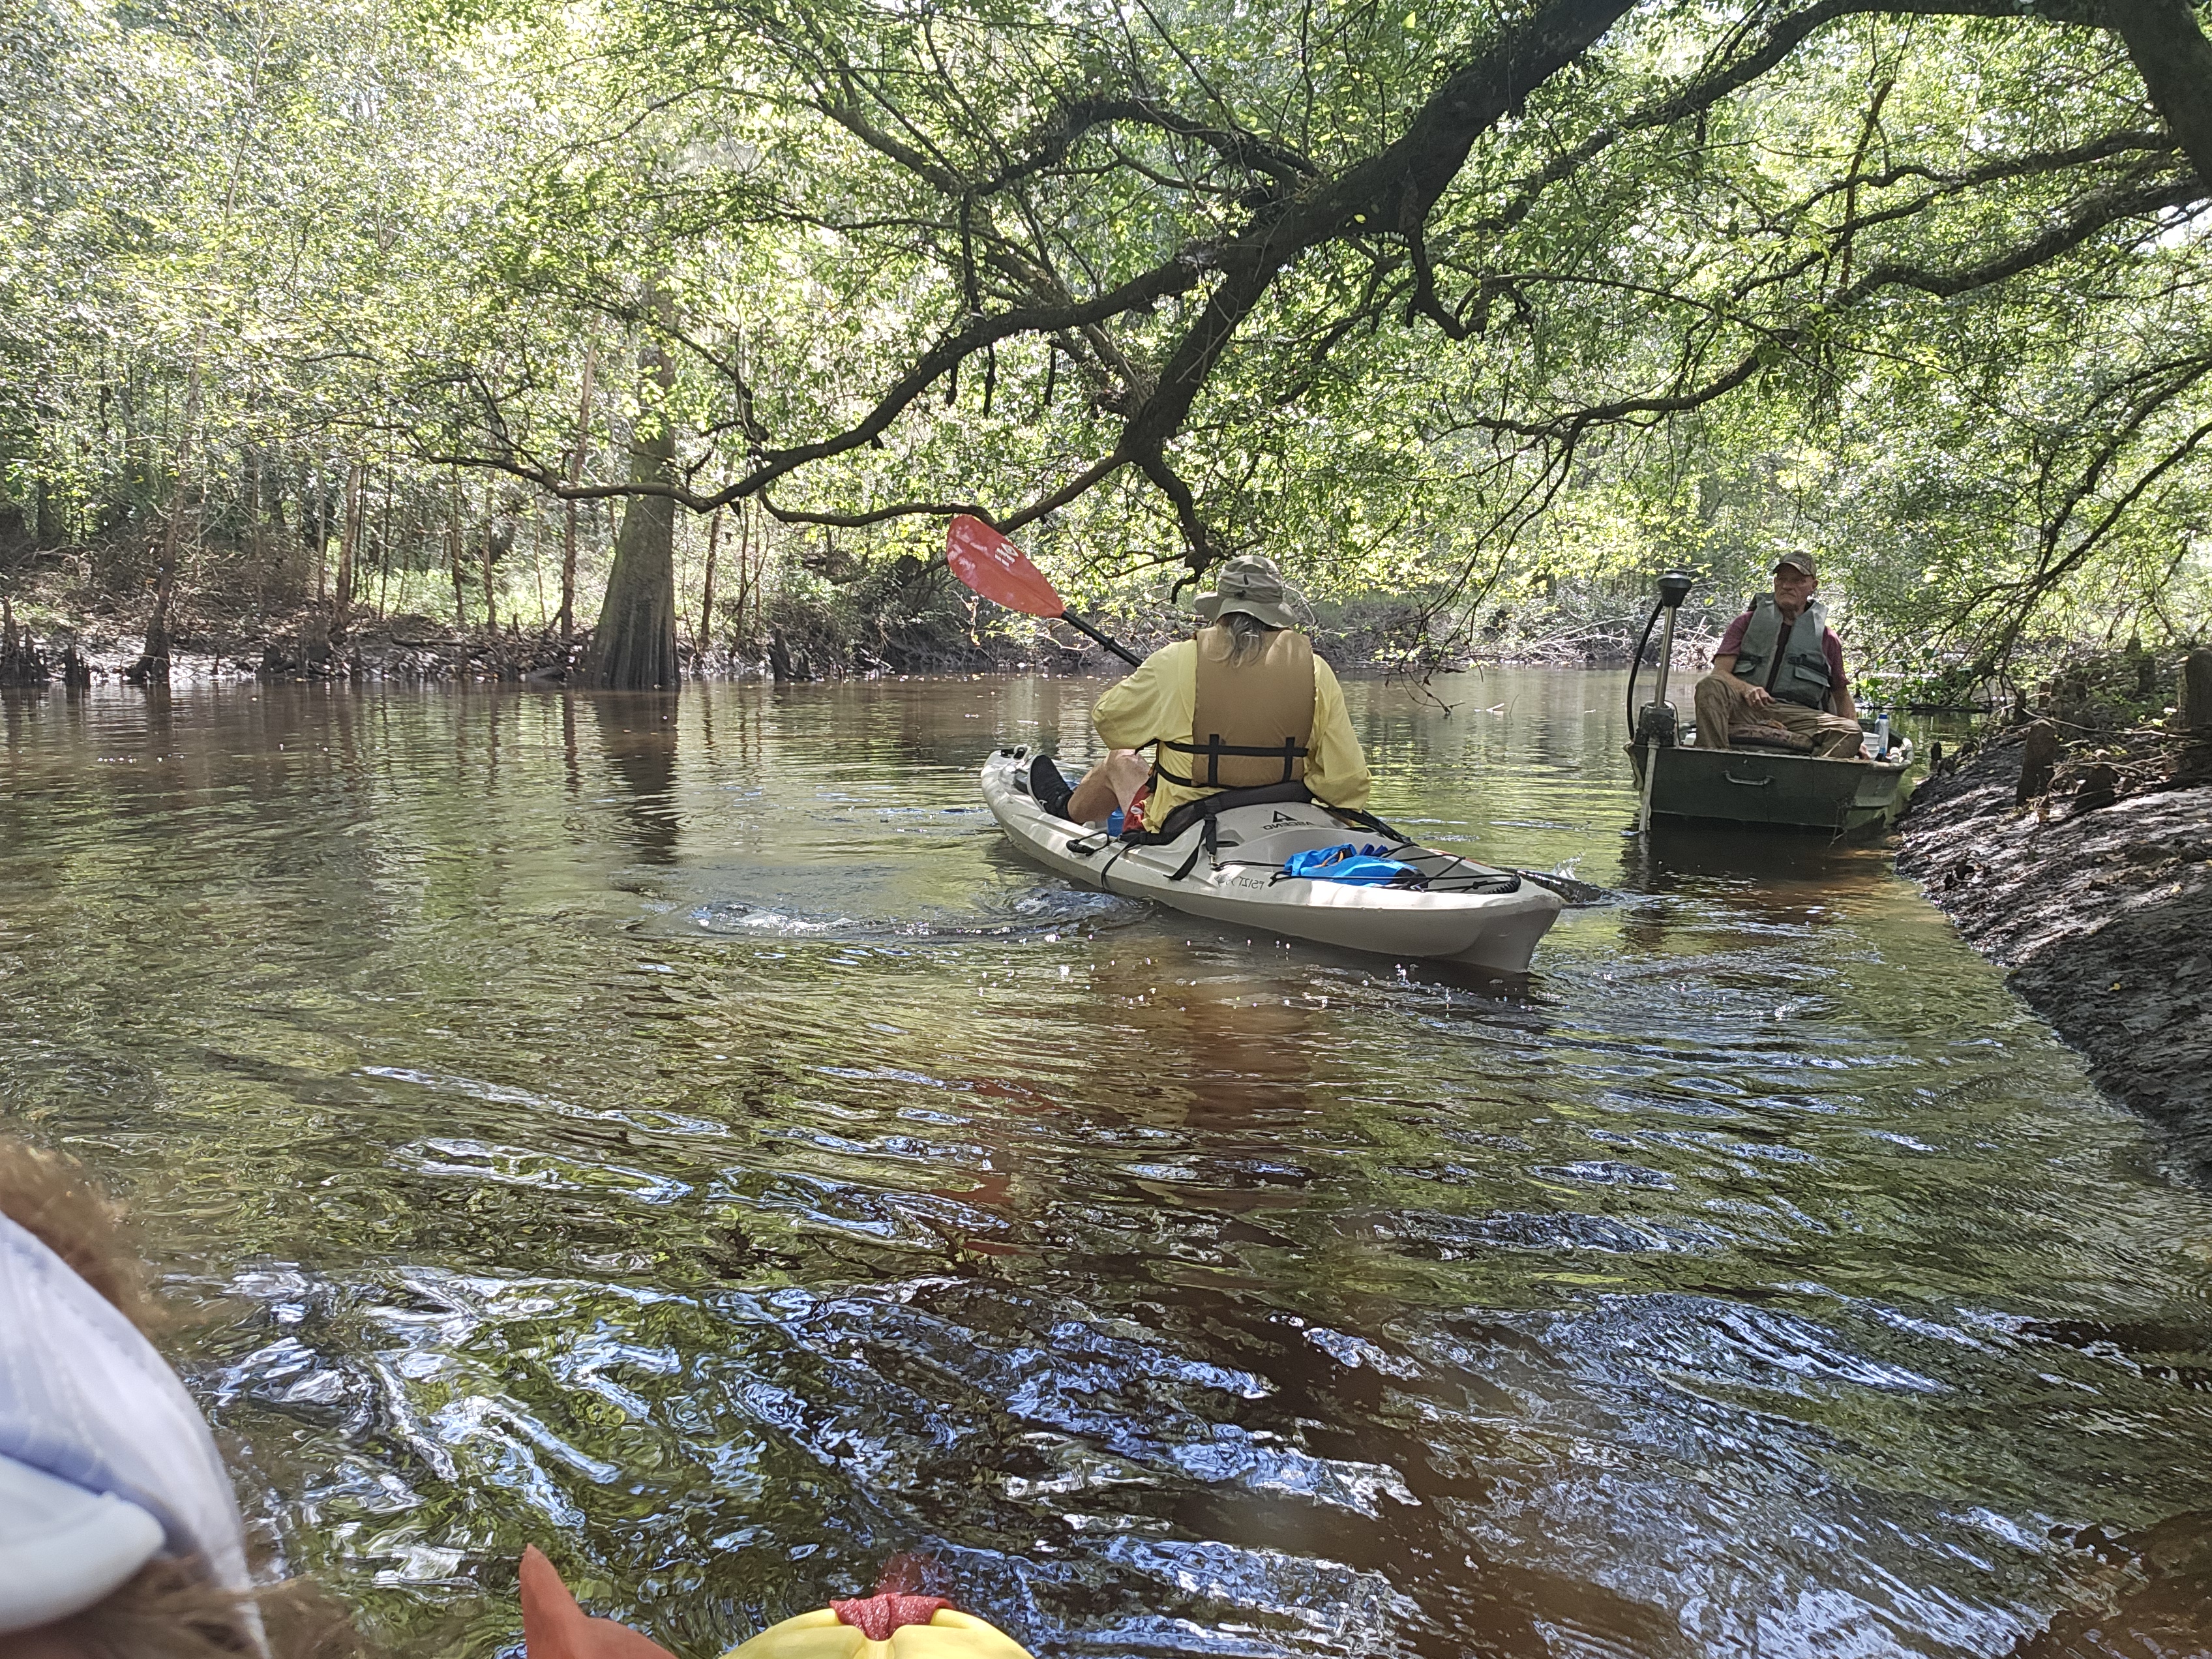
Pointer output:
x,y
2157,1601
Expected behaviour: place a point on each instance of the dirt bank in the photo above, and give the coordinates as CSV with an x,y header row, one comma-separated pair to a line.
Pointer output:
x,y
2103,912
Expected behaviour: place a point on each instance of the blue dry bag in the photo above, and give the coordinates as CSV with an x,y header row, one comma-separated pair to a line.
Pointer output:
x,y
1360,866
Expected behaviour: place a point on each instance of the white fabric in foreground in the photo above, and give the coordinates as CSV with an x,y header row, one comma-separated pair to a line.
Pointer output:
x,y
85,1398
63,1549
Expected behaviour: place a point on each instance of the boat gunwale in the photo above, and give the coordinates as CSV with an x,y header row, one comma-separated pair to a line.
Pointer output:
x,y
1852,814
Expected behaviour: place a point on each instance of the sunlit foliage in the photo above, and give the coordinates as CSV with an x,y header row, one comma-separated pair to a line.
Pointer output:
x,y
1919,289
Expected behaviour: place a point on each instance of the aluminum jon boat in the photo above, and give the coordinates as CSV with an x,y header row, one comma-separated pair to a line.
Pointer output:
x,y
1467,912
1773,790
1751,782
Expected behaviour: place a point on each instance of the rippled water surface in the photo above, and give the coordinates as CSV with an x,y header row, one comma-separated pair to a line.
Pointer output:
x,y
681,1134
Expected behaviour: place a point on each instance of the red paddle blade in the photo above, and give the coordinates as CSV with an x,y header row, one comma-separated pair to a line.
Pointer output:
x,y
995,568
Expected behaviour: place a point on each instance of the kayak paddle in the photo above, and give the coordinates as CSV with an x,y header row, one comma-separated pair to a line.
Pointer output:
x,y
996,569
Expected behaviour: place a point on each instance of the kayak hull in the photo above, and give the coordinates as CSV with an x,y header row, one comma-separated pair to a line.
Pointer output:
x,y
1494,930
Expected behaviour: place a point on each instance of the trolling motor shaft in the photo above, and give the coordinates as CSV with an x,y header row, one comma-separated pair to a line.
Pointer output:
x,y
1656,721
1657,725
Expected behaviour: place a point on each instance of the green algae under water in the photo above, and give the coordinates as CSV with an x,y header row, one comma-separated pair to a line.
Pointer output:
x,y
678,1132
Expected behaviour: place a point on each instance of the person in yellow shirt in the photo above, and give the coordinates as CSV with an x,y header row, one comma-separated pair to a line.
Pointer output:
x,y
1244,705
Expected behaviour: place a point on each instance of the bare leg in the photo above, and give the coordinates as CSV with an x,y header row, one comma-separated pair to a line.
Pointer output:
x,y
1112,783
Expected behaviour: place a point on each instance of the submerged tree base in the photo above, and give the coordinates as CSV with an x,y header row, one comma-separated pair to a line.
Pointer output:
x,y
883,622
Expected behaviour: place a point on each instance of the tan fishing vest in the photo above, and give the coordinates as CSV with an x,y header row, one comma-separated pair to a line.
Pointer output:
x,y
1253,723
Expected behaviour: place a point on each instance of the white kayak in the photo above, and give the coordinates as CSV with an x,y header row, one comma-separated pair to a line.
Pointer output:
x,y
1465,912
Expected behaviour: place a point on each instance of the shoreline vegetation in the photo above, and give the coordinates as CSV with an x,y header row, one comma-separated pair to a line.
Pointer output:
x,y
638,352
916,623
570,315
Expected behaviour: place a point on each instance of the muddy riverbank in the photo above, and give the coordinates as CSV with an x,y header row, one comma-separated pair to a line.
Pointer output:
x,y
2096,894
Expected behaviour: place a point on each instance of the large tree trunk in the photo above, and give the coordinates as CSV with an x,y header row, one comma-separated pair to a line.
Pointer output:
x,y
2195,710
633,647
341,612
453,538
384,545
152,667
252,494
704,642
486,551
47,519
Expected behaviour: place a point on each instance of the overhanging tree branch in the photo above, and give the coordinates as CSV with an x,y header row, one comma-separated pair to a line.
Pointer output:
x,y
1000,236
2099,213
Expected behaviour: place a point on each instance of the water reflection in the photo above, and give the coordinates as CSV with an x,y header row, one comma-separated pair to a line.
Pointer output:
x,y
1675,856
682,1134
637,737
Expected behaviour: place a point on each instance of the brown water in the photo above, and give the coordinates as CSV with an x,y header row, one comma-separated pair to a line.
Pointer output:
x,y
682,1135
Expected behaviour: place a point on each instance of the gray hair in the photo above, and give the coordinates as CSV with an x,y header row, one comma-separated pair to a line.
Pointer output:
x,y
1248,636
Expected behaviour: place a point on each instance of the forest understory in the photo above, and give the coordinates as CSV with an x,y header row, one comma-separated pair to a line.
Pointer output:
x,y
58,626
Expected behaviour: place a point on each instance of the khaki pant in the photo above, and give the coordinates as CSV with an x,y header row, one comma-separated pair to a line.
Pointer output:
x,y
1724,701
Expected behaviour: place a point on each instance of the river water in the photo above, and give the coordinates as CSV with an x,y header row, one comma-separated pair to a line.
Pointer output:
x,y
680,1133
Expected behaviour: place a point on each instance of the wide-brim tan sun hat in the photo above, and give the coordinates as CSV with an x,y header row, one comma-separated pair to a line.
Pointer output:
x,y
1250,584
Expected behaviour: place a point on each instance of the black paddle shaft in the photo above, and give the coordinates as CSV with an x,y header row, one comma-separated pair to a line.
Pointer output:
x,y
1115,645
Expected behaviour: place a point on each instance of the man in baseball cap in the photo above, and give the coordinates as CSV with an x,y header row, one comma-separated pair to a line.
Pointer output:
x,y
1778,680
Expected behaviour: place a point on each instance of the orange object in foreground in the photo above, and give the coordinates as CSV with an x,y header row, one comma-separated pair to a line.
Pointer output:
x,y
873,1627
